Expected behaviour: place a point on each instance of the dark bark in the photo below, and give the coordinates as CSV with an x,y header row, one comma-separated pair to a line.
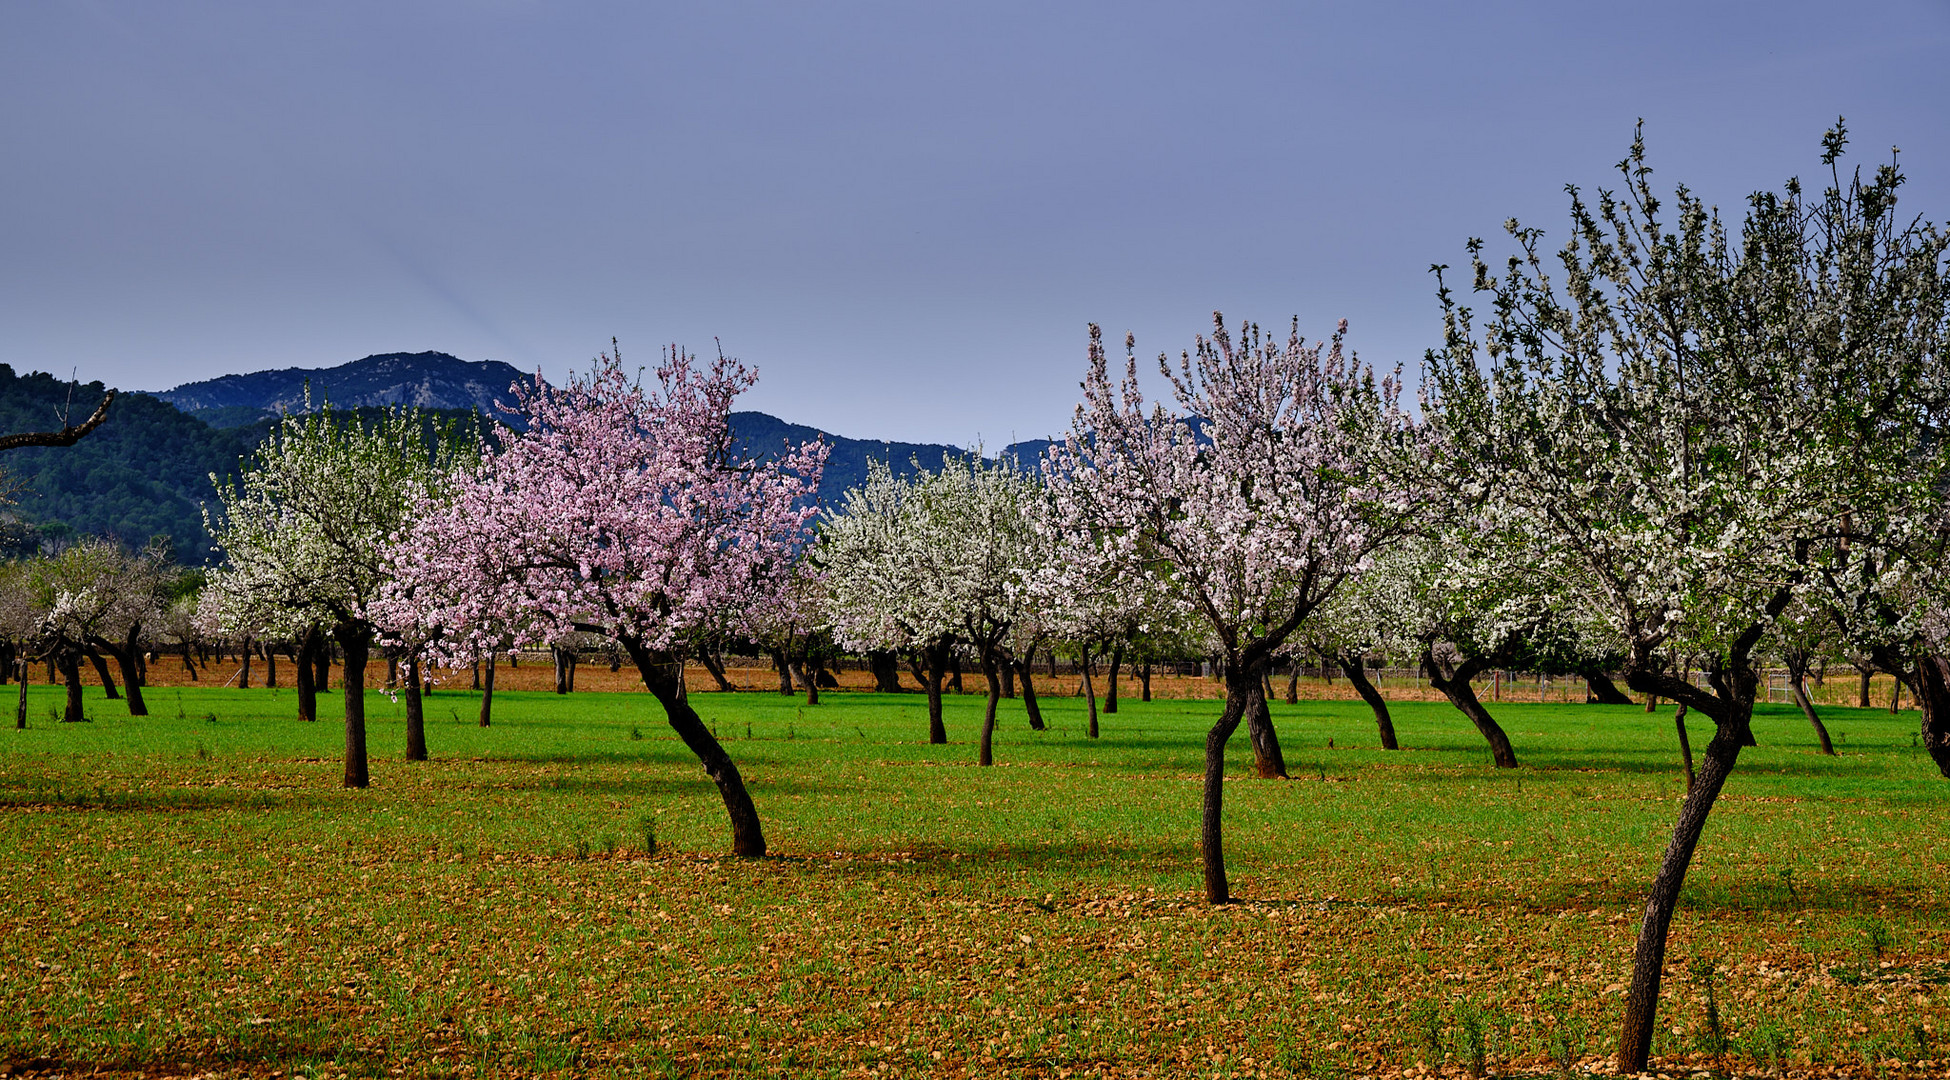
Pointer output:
x,y
1649,953
487,692
1604,691
321,660
244,670
1110,678
1144,681
108,682
1685,744
356,640
991,670
1353,665
189,664
936,658
1242,695
392,670
1797,676
1933,698
716,667
1866,673
474,670
886,671
67,436
20,707
1895,696
270,669
660,672
306,669
785,672
416,713
1029,706
1454,685
954,672
1089,690
69,662
1293,682
565,665
1268,760
1008,672
809,680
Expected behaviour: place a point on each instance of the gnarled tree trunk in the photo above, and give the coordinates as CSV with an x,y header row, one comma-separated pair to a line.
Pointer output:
x,y
1242,694
1024,669
1268,760
1604,691
1454,685
716,667
1933,698
1353,666
101,671
357,643
886,671
659,671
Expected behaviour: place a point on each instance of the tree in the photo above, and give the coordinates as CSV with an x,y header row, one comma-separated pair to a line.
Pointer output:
x,y
1682,433
1251,517
305,533
623,511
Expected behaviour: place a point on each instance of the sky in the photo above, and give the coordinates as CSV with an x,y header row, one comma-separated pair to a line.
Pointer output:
x,y
904,215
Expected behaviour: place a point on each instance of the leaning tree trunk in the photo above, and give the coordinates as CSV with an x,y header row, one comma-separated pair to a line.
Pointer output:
x,y
785,672
1024,668
1455,686
936,659
1649,954
1089,690
357,643
991,671
1242,694
1353,665
101,670
1605,691
660,671
1685,744
1293,682
716,667
1807,704
487,692
416,713
1933,698
811,680
1110,678
1268,760
20,707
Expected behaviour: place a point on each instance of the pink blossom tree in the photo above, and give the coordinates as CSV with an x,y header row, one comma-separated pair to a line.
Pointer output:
x,y
1245,503
622,510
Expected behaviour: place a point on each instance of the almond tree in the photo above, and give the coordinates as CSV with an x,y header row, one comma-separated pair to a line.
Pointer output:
x,y
305,532
621,510
1251,519
1682,432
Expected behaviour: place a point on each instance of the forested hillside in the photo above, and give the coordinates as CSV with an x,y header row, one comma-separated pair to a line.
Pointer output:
x,y
145,473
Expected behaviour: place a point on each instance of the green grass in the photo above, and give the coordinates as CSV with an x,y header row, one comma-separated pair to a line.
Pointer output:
x,y
193,886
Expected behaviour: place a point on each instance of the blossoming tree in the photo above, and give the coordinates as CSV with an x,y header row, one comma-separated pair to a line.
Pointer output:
x,y
1683,434
1252,517
620,510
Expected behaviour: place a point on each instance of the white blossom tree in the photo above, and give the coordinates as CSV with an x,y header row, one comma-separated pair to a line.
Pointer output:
x,y
1245,502
1681,431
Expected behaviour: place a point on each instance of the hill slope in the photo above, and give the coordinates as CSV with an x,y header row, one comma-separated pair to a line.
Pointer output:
x,y
430,380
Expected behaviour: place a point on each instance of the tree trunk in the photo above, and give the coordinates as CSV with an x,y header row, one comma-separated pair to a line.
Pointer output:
x,y
1029,706
1268,761
128,657
1649,954
785,672
1007,669
1895,696
1144,681
321,659
562,668
1110,678
937,659
487,692
108,682
416,713
1685,744
1089,690
886,671
392,670
1454,685
1864,702
1605,691
1353,666
244,672
189,664
70,665
270,669
357,642
20,707
659,671
1933,698
1242,695
990,671
307,688
954,672
474,670
1808,710
713,665
1293,682
811,681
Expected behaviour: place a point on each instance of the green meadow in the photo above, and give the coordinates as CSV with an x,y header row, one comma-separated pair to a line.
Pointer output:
x,y
192,892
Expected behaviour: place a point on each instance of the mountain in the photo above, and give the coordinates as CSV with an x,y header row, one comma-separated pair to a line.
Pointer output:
x,y
145,473
429,380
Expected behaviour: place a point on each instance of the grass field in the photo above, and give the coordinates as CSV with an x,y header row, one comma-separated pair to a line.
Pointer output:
x,y
191,892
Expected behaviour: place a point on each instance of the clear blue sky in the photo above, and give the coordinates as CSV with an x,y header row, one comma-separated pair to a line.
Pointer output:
x,y
904,214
